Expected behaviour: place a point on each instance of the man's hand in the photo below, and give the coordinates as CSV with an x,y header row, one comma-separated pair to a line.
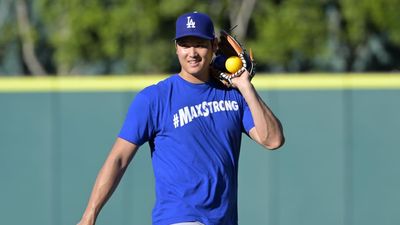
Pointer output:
x,y
242,82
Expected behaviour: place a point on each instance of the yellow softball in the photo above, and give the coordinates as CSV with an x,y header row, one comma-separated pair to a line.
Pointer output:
x,y
233,64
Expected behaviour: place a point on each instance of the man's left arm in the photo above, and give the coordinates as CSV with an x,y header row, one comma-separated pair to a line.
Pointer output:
x,y
268,130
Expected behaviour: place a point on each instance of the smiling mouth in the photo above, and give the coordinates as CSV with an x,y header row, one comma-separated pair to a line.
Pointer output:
x,y
194,62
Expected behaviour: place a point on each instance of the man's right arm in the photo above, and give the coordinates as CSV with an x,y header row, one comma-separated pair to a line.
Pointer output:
x,y
108,179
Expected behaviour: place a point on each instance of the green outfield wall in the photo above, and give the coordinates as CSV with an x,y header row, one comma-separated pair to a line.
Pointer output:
x,y
339,166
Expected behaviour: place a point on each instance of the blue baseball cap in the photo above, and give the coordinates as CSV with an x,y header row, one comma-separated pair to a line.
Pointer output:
x,y
194,24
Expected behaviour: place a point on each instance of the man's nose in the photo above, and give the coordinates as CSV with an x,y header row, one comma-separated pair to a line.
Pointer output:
x,y
192,52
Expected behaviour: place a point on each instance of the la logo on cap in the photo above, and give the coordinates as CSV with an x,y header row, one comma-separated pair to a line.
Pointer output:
x,y
194,24
190,23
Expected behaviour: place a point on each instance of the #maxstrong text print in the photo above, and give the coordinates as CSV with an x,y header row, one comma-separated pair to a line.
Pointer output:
x,y
186,114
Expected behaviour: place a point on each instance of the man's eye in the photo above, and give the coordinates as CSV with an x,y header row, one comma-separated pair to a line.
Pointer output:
x,y
184,45
201,46
189,45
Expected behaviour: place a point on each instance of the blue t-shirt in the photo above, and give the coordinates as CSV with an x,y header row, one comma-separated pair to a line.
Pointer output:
x,y
194,132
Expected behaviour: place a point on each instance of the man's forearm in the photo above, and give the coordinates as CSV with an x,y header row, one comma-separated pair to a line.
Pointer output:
x,y
108,178
106,182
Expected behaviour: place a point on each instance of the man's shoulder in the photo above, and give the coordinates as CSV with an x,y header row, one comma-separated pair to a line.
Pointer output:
x,y
159,88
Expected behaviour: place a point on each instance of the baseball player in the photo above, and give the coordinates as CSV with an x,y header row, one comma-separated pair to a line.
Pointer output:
x,y
193,124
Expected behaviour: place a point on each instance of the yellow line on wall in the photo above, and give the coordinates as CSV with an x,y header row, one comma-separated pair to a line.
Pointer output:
x,y
326,81
261,81
77,83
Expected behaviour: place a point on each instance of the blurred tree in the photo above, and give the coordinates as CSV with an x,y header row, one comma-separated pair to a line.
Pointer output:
x,y
368,16
120,36
27,38
134,36
373,33
9,58
288,33
335,55
240,12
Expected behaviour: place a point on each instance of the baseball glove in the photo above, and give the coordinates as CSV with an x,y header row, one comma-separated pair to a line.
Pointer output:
x,y
228,48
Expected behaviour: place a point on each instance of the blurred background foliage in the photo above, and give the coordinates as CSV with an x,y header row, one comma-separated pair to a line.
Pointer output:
x,y
74,37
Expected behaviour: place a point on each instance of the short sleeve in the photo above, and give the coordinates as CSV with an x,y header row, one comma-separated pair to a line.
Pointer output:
x,y
247,120
138,125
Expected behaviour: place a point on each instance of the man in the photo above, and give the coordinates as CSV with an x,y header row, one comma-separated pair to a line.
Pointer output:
x,y
193,125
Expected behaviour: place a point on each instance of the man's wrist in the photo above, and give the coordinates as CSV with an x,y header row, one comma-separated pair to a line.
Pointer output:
x,y
89,216
244,87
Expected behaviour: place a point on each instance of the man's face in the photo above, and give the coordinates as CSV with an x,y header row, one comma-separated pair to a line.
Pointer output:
x,y
195,55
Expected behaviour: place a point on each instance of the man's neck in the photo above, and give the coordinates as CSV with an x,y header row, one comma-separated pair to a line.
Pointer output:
x,y
196,79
